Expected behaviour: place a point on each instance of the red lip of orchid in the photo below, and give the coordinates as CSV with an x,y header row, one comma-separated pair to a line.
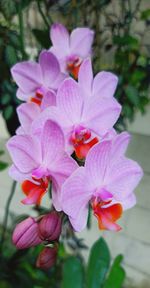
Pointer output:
x,y
107,215
79,140
34,192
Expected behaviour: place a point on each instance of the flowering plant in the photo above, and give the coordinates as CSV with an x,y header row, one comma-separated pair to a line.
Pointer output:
x,y
66,143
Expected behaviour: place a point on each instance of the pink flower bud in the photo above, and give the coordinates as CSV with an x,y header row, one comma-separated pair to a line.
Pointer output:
x,y
47,258
25,234
50,227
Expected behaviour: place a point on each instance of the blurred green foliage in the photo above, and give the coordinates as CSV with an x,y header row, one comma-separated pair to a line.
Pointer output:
x,y
116,36
18,269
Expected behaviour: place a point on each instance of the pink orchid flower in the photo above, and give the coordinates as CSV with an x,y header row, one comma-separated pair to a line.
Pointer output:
x,y
71,49
28,112
85,120
37,79
40,161
106,183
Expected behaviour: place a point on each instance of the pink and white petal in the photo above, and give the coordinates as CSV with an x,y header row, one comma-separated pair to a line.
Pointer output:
x,y
70,101
62,168
25,152
56,195
27,76
17,175
80,222
27,112
119,145
104,84
60,37
52,143
51,113
60,78
85,78
50,68
100,115
129,202
81,40
24,96
122,178
96,164
48,100
75,194
20,131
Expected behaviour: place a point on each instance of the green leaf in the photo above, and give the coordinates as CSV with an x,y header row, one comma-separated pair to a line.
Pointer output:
x,y
3,165
7,112
145,15
6,99
127,40
117,274
11,56
132,95
98,264
72,273
42,36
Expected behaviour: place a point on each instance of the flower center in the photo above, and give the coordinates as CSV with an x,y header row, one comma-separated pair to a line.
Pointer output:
x,y
37,99
73,65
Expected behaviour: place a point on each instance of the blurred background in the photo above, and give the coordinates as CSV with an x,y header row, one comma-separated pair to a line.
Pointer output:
x,y
122,45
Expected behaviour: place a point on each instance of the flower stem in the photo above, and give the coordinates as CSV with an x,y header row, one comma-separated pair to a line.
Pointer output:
x,y
5,222
42,15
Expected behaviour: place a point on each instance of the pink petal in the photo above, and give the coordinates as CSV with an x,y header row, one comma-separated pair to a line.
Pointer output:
x,y
51,113
25,152
85,78
81,40
24,96
100,115
49,67
69,100
60,38
123,177
104,84
48,100
52,143
27,75
75,194
120,144
17,175
129,202
62,168
80,222
27,112
96,164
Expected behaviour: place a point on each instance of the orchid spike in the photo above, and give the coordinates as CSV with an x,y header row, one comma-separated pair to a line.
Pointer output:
x,y
71,49
106,183
41,160
35,80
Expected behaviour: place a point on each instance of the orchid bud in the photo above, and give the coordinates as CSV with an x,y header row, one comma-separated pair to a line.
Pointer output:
x,y
50,227
25,234
47,258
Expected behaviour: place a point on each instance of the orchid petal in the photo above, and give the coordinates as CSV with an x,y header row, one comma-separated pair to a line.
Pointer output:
x,y
60,37
85,78
25,152
123,177
104,84
69,100
96,163
100,115
27,75
52,143
27,112
49,67
75,194
81,40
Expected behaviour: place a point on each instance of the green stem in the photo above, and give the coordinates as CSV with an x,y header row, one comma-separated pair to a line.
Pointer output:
x,y
43,16
5,222
21,28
